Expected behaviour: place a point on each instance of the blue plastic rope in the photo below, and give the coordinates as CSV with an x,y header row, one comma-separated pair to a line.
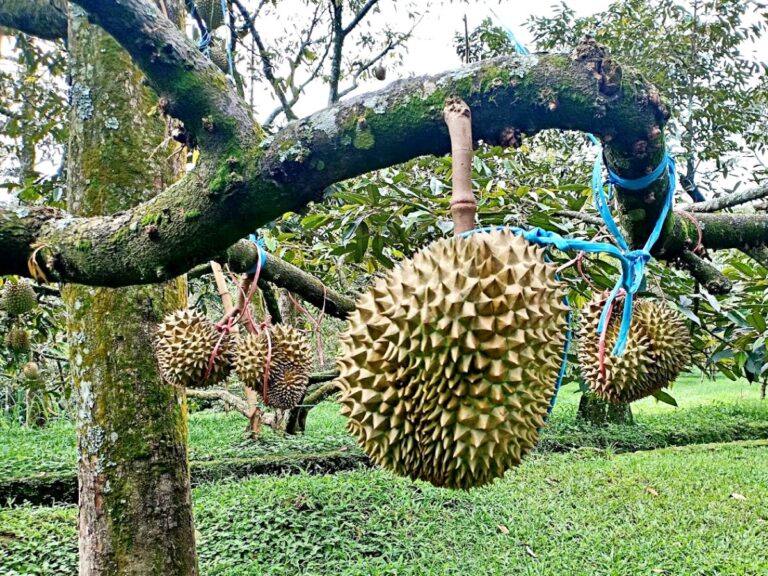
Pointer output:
x,y
633,262
259,243
230,58
519,48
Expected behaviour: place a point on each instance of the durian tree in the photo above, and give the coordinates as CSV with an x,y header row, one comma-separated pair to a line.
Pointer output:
x,y
246,178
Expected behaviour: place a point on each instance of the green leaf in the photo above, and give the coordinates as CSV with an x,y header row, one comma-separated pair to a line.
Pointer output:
x,y
662,396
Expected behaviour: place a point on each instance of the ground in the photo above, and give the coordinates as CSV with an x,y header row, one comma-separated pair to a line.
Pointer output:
x,y
700,509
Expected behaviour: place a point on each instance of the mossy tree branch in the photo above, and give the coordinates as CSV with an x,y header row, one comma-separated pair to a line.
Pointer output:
x,y
46,19
244,181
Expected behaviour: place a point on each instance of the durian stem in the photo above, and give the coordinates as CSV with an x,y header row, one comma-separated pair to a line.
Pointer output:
x,y
221,286
458,117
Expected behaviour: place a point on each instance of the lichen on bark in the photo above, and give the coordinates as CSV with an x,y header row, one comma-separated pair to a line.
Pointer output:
x,y
134,491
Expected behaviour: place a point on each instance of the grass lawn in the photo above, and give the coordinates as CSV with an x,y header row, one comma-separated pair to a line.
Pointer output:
x,y
690,390
698,510
709,412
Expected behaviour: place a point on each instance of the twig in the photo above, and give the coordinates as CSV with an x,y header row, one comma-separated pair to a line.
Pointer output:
x,y
728,200
705,273
220,394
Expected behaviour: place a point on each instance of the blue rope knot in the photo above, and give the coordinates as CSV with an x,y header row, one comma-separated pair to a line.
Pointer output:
x,y
636,260
633,262
261,250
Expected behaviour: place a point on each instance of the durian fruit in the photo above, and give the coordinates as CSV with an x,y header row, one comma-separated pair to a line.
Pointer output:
x,y
658,349
184,344
449,362
289,367
18,298
31,371
17,340
219,56
379,72
211,13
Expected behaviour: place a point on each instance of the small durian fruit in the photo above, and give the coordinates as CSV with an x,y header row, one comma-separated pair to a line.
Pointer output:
x,y
18,297
658,350
380,73
219,56
450,361
184,345
289,367
31,371
17,340
211,13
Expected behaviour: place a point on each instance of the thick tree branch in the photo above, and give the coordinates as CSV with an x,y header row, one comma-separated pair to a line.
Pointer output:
x,y
191,87
718,232
728,200
245,183
45,19
242,256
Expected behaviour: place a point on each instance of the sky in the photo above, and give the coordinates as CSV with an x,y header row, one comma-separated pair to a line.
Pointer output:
x,y
430,50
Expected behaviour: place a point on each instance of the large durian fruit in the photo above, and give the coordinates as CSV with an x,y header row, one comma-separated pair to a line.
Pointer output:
x,y
17,341
211,13
289,367
184,344
658,350
450,361
18,297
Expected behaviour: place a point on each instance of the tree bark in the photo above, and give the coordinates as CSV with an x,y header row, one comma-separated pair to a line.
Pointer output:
x,y
45,19
134,490
598,412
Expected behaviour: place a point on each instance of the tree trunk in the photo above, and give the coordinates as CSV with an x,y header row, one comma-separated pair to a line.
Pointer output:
x,y
135,501
598,412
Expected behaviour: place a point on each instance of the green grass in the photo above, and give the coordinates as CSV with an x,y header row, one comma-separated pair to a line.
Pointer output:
x,y
690,391
587,512
718,411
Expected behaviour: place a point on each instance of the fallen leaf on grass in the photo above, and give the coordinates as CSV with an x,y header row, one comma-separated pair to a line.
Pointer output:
x,y
503,529
530,552
651,491
737,496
